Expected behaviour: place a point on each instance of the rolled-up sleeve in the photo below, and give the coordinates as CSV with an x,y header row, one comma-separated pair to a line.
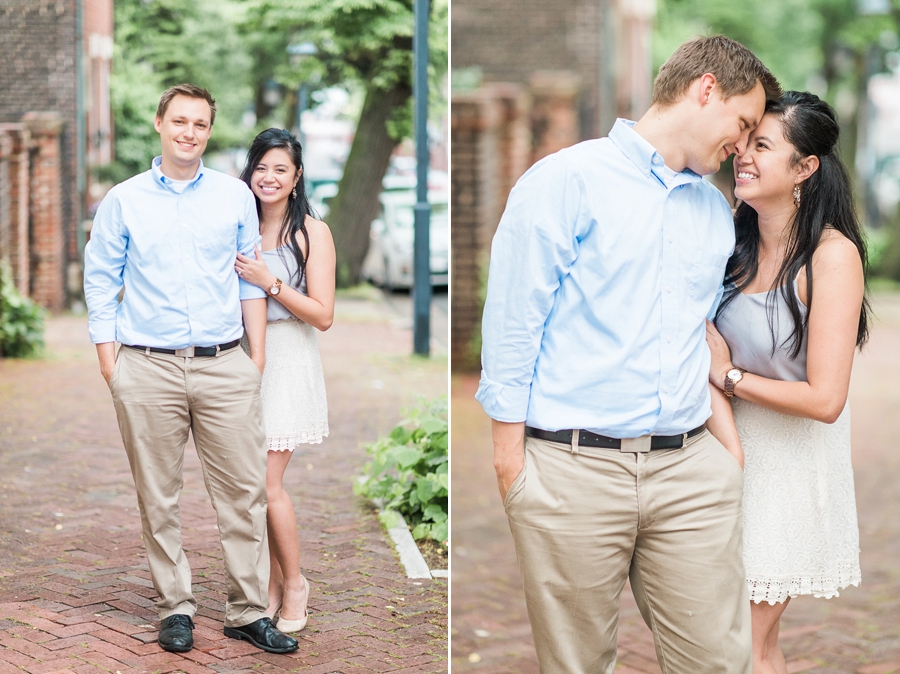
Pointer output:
x,y
535,244
248,238
104,264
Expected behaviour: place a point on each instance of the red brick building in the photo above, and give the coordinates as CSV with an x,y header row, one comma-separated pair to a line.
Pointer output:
x,y
55,124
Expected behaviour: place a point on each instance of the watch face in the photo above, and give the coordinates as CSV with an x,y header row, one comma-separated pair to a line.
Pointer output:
x,y
275,288
734,374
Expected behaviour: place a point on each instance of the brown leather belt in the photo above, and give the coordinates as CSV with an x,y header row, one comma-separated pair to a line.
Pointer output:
x,y
588,439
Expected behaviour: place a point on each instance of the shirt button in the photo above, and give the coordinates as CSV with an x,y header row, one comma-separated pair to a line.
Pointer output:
x,y
666,389
187,257
184,224
668,338
670,239
669,289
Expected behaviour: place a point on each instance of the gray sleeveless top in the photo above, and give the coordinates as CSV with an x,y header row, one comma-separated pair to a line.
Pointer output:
x,y
744,324
282,263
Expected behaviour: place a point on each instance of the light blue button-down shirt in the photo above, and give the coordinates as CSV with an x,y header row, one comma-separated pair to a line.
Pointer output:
x,y
174,254
603,269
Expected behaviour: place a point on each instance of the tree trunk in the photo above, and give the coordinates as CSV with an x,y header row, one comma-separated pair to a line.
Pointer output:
x,y
356,203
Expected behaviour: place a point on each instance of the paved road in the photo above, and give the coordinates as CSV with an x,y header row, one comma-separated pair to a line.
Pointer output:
x,y
74,587
858,633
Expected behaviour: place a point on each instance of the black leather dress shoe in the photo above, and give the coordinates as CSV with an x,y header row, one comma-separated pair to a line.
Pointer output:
x,y
175,633
263,634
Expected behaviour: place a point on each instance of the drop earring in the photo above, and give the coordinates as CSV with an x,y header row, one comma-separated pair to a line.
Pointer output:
x,y
294,193
796,195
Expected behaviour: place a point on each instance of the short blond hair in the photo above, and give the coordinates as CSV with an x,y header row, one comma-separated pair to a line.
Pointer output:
x,y
736,68
191,91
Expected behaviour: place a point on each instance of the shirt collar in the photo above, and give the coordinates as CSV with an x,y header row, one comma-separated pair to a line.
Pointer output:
x,y
643,155
156,168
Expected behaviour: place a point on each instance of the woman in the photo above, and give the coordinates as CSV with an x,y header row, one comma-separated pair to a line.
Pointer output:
x,y
791,351
296,269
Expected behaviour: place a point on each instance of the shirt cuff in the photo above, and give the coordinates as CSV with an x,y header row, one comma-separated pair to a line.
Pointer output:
x,y
503,403
248,291
102,331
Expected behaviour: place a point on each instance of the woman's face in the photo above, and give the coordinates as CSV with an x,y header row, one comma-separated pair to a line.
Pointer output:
x,y
763,172
274,177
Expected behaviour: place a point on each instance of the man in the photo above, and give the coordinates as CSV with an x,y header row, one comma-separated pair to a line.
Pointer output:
x,y
604,267
170,236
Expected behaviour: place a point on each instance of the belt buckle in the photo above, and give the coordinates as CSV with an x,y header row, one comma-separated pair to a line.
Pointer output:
x,y
636,445
185,353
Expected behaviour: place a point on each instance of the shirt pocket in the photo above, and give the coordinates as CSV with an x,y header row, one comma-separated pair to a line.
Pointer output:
x,y
706,274
216,243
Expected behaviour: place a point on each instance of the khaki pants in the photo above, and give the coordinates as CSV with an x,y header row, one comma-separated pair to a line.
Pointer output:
x,y
158,398
668,519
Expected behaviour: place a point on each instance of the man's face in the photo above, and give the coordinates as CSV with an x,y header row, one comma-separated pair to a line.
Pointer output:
x,y
726,126
184,130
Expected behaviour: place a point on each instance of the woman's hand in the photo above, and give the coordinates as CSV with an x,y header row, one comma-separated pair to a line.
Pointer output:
x,y
254,271
720,361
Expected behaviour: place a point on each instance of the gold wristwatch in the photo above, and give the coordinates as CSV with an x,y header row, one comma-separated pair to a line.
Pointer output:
x,y
732,377
276,287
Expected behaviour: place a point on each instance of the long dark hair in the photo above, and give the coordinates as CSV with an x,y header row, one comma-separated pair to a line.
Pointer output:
x,y
297,207
826,200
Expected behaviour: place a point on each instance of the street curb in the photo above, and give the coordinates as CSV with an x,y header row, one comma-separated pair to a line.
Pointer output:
x,y
412,560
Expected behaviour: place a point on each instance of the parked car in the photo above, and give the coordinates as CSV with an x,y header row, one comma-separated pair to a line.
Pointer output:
x,y
389,262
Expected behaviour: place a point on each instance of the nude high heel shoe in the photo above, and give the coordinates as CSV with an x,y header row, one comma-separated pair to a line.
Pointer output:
x,y
290,626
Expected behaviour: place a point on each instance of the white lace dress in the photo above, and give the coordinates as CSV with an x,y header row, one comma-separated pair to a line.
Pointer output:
x,y
295,410
800,528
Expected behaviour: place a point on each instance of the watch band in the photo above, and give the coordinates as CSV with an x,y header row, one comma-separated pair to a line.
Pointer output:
x,y
729,382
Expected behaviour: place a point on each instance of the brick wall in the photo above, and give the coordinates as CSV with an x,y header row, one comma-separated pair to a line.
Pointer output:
x,y
474,126
38,72
511,39
47,240
5,216
16,189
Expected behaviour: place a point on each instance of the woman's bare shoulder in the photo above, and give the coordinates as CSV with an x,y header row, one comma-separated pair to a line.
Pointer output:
x,y
316,227
835,247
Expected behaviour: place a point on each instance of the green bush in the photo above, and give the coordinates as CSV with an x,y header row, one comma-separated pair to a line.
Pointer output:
x,y
21,320
408,472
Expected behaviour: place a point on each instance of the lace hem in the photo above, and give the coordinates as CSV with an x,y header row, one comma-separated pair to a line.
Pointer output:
x,y
825,586
286,443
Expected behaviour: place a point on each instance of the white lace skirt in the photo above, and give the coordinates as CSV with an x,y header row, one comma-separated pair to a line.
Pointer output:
x,y
800,529
293,386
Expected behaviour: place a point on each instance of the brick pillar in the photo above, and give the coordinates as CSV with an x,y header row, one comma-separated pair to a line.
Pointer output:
x,y
554,112
475,118
5,234
47,238
513,136
17,175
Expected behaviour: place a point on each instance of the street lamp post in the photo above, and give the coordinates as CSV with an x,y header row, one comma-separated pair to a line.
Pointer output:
x,y
299,52
422,250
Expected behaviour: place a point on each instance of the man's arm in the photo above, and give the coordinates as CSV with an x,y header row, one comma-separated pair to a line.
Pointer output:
x,y
721,424
106,353
104,265
254,312
509,453
535,244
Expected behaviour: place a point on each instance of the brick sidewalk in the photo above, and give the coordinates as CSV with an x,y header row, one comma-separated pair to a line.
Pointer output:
x,y
858,633
75,593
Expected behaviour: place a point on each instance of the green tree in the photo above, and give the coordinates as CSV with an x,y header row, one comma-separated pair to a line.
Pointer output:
x,y
160,43
367,43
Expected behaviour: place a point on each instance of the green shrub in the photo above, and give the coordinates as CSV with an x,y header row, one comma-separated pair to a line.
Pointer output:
x,y
408,472
21,320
